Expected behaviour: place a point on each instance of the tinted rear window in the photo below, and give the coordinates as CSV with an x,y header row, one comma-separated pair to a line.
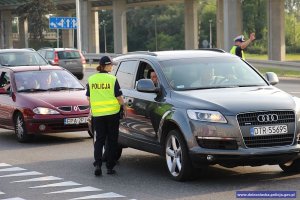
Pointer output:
x,y
68,54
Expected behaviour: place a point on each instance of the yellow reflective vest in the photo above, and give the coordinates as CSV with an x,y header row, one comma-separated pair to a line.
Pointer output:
x,y
233,49
102,95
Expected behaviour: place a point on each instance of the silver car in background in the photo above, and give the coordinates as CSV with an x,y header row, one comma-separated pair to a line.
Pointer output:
x,y
68,58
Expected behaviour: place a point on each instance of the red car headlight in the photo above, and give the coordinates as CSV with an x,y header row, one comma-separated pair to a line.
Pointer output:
x,y
45,111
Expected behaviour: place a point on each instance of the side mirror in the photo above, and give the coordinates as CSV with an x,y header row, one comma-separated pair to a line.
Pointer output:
x,y
146,85
50,62
272,78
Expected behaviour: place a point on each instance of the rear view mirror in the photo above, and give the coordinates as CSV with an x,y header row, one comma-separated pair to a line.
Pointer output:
x,y
272,78
146,85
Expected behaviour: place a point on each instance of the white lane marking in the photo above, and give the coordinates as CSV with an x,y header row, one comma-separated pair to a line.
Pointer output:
x,y
80,189
33,173
100,196
62,184
11,169
45,178
15,198
4,165
2,192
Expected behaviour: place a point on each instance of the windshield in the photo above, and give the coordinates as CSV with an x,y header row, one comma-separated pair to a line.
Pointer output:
x,y
205,73
68,54
46,80
25,58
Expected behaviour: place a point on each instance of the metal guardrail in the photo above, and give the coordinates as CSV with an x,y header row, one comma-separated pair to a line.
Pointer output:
x,y
95,57
286,65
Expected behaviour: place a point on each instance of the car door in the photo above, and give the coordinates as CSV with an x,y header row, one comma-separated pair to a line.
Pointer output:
x,y
141,119
6,102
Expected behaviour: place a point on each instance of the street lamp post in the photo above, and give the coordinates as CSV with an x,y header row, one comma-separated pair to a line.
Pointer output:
x,y
210,34
155,29
103,23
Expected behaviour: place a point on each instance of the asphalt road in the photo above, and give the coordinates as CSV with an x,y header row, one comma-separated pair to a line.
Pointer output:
x,y
59,166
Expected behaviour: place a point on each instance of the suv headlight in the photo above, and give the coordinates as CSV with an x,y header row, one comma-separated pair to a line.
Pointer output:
x,y
206,116
44,111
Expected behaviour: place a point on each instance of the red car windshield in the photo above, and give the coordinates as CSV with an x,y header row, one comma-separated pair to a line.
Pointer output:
x,y
46,80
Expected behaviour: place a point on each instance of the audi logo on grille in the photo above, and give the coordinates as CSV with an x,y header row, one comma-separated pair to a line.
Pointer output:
x,y
267,118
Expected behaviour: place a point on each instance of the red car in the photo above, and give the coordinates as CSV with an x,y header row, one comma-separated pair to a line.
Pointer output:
x,y
41,99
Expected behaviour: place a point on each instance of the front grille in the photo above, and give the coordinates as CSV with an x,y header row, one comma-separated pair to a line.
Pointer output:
x,y
65,108
248,120
70,108
251,118
218,144
269,140
82,108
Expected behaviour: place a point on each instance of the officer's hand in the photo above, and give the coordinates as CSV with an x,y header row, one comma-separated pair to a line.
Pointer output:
x,y
124,111
252,36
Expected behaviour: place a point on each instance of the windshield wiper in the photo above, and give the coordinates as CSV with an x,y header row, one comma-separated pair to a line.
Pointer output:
x,y
64,88
32,90
249,85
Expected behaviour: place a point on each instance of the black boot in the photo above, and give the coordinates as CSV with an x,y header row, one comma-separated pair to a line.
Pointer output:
x,y
98,171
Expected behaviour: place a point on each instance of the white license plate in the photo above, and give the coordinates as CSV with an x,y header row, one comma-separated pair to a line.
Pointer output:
x,y
269,130
79,120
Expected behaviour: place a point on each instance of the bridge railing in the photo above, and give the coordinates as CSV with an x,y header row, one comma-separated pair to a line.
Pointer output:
x,y
288,65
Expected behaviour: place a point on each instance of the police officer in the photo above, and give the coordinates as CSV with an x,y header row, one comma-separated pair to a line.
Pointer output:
x,y
105,96
240,44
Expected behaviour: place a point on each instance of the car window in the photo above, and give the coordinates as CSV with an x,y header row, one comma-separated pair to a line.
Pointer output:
x,y
4,82
144,71
21,59
186,74
68,54
46,80
126,72
49,55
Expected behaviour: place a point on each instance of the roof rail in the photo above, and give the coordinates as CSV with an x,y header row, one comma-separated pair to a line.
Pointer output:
x,y
213,49
143,52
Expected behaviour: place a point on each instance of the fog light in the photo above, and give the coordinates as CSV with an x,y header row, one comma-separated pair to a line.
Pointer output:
x,y
210,157
42,127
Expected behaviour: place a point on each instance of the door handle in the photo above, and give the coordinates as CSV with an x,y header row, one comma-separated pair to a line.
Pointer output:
x,y
129,103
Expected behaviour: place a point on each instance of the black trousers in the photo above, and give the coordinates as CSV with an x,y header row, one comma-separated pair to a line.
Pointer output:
x,y
107,130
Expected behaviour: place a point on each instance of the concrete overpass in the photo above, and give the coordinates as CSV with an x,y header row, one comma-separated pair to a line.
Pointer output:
x,y
229,23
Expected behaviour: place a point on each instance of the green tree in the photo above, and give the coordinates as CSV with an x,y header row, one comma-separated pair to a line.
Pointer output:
x,y
35,12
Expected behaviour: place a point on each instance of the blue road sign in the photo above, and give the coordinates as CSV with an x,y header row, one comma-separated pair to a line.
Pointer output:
x,y
63,23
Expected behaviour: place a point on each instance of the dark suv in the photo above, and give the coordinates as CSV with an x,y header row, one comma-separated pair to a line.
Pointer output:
x,y
210,107
68,58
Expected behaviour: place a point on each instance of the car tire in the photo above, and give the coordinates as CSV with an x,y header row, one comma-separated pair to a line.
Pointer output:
x,y
91,134
291,167
177,158
20,129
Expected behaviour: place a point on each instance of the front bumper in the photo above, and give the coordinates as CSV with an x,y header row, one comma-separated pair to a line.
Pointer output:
x,y
54,125
245,157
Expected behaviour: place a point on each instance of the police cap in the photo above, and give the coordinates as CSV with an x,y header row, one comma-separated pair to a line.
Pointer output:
x,y
105,60
239,38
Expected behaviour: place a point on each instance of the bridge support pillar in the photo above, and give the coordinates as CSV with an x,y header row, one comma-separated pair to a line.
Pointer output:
x,y
67,34
88,28
276,37
120,26
190,24
231,22
23,32
6,29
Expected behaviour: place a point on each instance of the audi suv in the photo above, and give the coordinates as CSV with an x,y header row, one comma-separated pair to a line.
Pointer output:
x,y
209,107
